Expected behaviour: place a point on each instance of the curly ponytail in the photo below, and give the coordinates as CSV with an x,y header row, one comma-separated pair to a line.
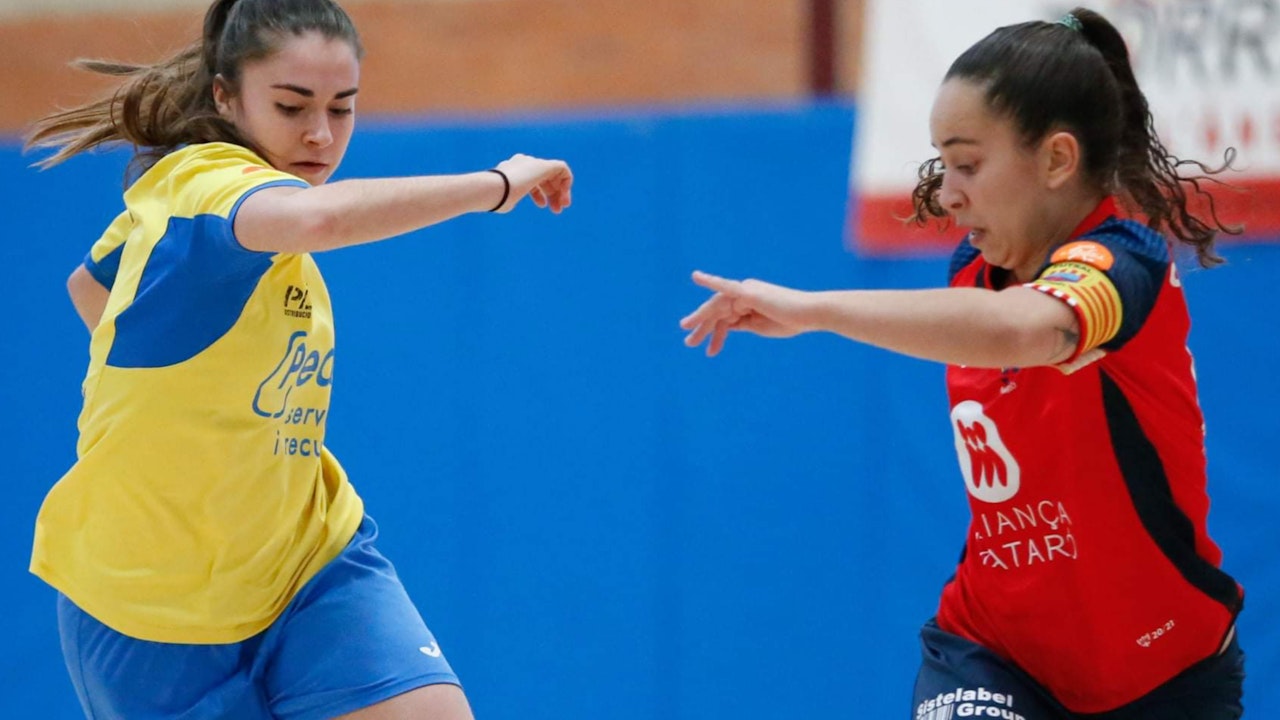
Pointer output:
x,y
1146,171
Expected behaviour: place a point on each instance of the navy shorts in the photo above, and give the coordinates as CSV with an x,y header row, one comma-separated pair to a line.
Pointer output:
x,y
349,639
960,679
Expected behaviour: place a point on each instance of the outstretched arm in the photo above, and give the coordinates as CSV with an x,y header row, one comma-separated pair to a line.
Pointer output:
x,y
352,212
88,295
1017,327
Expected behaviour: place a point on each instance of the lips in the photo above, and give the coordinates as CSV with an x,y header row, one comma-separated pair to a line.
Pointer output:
x,y
310,167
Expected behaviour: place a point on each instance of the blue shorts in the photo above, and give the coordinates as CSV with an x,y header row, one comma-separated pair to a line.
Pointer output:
x,y
349,639
993,687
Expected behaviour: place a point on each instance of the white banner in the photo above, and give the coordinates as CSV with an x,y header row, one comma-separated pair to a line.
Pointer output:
x,y
1210,70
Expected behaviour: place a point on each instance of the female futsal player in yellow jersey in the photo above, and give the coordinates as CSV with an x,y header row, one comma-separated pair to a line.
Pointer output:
x,y
211,558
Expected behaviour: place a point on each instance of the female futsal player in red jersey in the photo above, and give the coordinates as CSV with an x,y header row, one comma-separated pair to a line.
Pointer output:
x,y
1089,586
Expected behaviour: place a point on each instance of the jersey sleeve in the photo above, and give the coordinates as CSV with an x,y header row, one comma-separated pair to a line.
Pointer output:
x,y
218,177
1110,281
103,259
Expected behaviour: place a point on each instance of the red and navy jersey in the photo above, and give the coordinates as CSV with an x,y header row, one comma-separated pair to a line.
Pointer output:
x,y
1087,561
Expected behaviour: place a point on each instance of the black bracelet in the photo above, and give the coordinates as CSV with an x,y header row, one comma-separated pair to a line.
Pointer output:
x,y
506,189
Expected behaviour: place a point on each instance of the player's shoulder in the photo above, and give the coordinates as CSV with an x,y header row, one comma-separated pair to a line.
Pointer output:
x,y
961,259
1115,237
201,178
217,155
191,162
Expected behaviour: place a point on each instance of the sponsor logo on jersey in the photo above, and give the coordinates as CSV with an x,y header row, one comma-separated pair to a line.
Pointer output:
x,y
990,471
1084,251
300,366
297,302
300,421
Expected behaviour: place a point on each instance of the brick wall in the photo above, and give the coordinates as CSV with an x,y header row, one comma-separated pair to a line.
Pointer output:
x,y
475,55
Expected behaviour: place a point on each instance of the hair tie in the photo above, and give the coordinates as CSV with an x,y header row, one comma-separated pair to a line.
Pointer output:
x,y
1072,22
506,188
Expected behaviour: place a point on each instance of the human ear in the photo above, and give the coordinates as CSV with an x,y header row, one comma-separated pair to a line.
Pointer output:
x,y
1061,153
222,97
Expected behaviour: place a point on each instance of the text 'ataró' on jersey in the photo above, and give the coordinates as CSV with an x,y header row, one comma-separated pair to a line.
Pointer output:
x,y
204,495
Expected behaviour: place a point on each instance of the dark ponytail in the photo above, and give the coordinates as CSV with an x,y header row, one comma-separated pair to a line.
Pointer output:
x,y
163,106
1146,171
1075,74
215,22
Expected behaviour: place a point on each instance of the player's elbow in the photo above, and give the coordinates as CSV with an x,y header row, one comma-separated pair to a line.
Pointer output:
x,y
81,284
1029,328
1027,346
333,228
88,296
313,228
1033,334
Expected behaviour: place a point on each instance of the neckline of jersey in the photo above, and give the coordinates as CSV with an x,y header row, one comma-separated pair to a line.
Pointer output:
x,y
1104,211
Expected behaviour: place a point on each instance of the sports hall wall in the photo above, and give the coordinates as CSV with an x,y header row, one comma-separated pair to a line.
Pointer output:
x,y
596,521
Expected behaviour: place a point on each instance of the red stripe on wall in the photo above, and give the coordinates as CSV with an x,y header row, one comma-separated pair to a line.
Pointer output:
x,y
876,224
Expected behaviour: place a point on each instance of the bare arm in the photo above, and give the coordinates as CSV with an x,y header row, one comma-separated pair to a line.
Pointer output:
x,y
88,295
1017,327
352,212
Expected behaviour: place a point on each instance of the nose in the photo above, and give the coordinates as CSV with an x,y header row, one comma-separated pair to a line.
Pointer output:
x,y
318,133
949,196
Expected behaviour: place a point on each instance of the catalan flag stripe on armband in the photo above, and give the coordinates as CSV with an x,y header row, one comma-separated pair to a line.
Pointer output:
x,y
1091,294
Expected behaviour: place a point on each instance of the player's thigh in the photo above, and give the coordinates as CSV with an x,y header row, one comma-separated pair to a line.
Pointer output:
x,y
117,677
433,702
352,639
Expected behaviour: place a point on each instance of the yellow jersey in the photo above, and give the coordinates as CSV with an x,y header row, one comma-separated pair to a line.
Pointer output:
x,y
203,496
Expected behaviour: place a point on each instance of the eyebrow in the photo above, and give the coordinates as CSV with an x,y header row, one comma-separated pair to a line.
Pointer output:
x,y
305,92
958,141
